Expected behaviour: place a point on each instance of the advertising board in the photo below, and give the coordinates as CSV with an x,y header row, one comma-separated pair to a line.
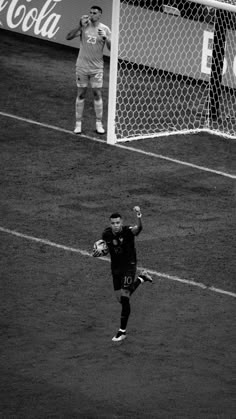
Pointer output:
x,y
49,19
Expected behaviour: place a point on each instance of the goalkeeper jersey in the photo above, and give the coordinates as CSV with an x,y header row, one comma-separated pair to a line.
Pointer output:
x,y
90,56
121,247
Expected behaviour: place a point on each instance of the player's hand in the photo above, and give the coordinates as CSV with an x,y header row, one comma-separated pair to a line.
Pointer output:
x,y
84,20
96,253
102,33
138,211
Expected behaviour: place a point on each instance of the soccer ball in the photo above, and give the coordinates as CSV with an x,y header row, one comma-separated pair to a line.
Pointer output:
x,y
101,247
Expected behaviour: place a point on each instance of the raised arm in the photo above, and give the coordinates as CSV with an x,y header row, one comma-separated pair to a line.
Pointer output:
x,y
77,31
138,227
73,33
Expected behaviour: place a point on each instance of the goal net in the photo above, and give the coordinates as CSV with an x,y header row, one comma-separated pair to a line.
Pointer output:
x,y
172,68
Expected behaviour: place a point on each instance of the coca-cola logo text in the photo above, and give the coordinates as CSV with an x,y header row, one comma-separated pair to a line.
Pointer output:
x,y
43,20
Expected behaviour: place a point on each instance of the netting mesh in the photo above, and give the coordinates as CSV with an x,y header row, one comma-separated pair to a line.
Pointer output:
x,y
176,69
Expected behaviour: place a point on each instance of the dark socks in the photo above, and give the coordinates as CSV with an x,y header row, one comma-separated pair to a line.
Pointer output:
x,y
125,312
135,285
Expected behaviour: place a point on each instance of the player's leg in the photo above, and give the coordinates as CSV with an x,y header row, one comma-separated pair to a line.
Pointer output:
x,y
145,277
124,285
125,311
82,83
79,109
124,317
96,84
122,296
142,277
126,281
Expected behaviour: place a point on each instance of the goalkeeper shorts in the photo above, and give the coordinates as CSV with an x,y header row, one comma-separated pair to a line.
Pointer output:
x,y
85,78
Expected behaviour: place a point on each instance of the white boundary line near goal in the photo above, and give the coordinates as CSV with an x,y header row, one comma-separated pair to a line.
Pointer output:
x,y
136,150
181,162
85,253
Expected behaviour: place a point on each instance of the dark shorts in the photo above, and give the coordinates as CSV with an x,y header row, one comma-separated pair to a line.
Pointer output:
x,y
123,279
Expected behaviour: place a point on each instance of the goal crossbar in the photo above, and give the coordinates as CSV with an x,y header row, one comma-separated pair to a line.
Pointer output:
x,y
217,4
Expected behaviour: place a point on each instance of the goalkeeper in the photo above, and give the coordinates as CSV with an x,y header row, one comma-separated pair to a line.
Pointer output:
x,y
93,35
120,240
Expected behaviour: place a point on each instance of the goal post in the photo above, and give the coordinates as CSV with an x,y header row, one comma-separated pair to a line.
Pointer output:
x,y
115,24
172,68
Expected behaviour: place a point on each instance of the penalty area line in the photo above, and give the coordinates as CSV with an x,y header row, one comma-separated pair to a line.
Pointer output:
x,y
88,254
121,146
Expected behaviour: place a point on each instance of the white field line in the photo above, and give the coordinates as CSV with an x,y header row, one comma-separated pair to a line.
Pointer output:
x,y
136,150
88,254
181,162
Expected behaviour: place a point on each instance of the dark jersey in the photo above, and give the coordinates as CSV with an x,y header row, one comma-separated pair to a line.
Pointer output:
x,y
121,247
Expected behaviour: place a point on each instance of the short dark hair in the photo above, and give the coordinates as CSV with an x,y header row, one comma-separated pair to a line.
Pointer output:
x,y
97,7
115,215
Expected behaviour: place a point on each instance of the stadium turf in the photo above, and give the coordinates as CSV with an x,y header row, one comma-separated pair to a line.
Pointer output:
x,y
58,312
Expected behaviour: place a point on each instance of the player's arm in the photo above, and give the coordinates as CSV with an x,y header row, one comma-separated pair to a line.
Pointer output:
x,y
106,36
73,33
78,30
108,41
138,227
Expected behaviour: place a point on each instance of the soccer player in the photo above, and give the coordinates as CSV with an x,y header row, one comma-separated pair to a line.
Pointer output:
x,y
94,35
120,240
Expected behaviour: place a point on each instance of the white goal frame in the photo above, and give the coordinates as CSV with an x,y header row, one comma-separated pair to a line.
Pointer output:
x,y
114,57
